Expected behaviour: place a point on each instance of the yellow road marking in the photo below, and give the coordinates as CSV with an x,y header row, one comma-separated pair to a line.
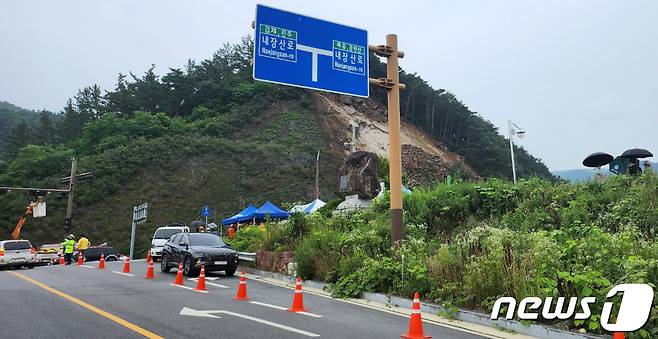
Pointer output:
x,y
92,308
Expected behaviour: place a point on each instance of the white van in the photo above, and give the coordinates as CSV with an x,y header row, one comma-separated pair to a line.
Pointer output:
x,y
161,235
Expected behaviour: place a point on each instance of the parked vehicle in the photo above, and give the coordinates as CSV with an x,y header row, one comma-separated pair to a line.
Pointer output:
x,y
48,253
161,235
198,249
94,254
17,253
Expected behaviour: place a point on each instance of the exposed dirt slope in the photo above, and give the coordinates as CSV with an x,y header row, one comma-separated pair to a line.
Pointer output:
x,y
424,159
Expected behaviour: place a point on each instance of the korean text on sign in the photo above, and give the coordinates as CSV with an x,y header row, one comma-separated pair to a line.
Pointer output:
x,y
349,57
277,43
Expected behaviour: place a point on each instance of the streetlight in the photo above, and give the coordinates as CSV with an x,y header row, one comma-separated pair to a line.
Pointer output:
x,y
519,132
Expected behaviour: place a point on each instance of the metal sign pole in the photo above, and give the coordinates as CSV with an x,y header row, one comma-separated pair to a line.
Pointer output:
x,y
394,152
393,85
132,234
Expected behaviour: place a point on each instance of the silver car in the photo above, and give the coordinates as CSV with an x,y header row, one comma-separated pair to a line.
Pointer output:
x,y
17,253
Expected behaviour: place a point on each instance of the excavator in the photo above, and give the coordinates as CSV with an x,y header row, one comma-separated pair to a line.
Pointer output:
x,y
21,221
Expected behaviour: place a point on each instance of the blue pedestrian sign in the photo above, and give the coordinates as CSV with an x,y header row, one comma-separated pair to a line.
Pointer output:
x,y
297,50
205,212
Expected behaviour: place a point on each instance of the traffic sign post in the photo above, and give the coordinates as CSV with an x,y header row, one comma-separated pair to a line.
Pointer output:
x,y
205,212
139,217
297,50
301,51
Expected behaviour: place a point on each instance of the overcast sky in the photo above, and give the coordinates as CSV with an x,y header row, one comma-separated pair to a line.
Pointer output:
x,y
579,76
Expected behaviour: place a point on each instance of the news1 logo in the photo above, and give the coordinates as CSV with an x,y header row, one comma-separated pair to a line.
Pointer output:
x,y
633,312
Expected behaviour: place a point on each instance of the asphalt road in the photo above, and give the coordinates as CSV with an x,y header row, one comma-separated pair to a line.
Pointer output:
x,y
71,301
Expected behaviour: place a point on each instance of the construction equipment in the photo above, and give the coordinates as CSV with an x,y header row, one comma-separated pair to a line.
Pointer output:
x,y
21,221
33,209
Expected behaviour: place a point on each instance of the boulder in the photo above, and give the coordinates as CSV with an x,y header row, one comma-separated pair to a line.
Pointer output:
x,y
359,175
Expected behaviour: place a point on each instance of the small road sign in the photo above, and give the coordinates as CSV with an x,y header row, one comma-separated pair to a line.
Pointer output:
x,y
297,50
205,211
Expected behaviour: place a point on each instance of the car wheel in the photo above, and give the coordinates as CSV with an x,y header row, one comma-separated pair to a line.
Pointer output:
x,y
29,267
230,271
111,258
188,269
164,264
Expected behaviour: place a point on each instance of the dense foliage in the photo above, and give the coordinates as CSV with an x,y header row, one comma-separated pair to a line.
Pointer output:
x,y
470,243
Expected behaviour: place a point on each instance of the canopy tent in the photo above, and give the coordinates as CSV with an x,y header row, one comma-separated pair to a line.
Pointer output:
x,y
309,208
271,210
245,214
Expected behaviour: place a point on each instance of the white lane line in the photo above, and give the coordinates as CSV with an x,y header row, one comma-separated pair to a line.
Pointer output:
x,y
273,324
86,266
208,283
126,274
392,312
188,288
285,309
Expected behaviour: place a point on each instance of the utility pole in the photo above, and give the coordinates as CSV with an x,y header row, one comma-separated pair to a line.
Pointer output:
x,y
393,85
69,206
317,177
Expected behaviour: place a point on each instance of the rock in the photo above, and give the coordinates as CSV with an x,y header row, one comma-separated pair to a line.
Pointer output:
x,y
352,203
359,175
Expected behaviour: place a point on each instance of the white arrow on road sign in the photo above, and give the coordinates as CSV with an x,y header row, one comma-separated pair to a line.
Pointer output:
x,y
209,314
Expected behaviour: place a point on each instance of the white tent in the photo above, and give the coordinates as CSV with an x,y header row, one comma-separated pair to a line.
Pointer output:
x,y
308,208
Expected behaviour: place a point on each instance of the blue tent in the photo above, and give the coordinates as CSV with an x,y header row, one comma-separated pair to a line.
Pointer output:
x,y
271,210
245,214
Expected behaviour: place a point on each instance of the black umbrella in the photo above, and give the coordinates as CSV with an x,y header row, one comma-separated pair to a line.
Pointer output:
x,y
597,159
636,153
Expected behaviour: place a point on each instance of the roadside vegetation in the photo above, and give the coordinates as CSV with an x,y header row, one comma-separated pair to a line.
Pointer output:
x,y
468,244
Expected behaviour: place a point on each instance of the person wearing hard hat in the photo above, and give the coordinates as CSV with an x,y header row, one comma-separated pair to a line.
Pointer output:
x,y
69,245
83,245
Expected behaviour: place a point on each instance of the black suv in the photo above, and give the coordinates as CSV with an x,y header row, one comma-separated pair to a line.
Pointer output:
x,y
198,249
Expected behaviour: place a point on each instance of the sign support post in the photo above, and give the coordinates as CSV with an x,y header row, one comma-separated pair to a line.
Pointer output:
x,y
139,216
393,85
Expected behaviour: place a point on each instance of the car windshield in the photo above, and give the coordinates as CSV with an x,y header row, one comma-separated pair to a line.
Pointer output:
x,y
205,239
17,245
166,233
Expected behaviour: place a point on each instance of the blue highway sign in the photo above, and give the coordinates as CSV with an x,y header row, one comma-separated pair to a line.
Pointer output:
x,y
300,51
205,212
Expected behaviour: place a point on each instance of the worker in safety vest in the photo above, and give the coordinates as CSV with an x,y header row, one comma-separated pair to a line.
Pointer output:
x,y
69,245
83,245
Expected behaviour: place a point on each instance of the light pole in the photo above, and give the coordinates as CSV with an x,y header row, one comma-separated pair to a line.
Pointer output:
x,y
519,132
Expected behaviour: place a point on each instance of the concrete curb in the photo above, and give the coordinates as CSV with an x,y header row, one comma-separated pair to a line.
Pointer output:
x,y
540,331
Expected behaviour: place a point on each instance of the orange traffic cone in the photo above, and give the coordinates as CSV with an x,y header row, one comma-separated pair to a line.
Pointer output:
x,y
126,265
618,335
61,260
201,283
179,275
101,263
80,259
149,271
298,299
416,323
242,289
148,257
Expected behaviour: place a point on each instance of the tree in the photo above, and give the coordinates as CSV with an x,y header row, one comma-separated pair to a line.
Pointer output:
x,y
45,131
72,122
20,136
90,103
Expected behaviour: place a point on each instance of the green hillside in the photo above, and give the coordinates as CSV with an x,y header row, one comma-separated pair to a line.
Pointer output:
x,y
205,134
18,120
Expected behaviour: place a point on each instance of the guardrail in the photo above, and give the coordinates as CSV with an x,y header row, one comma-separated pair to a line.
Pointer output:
x,y
245,256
